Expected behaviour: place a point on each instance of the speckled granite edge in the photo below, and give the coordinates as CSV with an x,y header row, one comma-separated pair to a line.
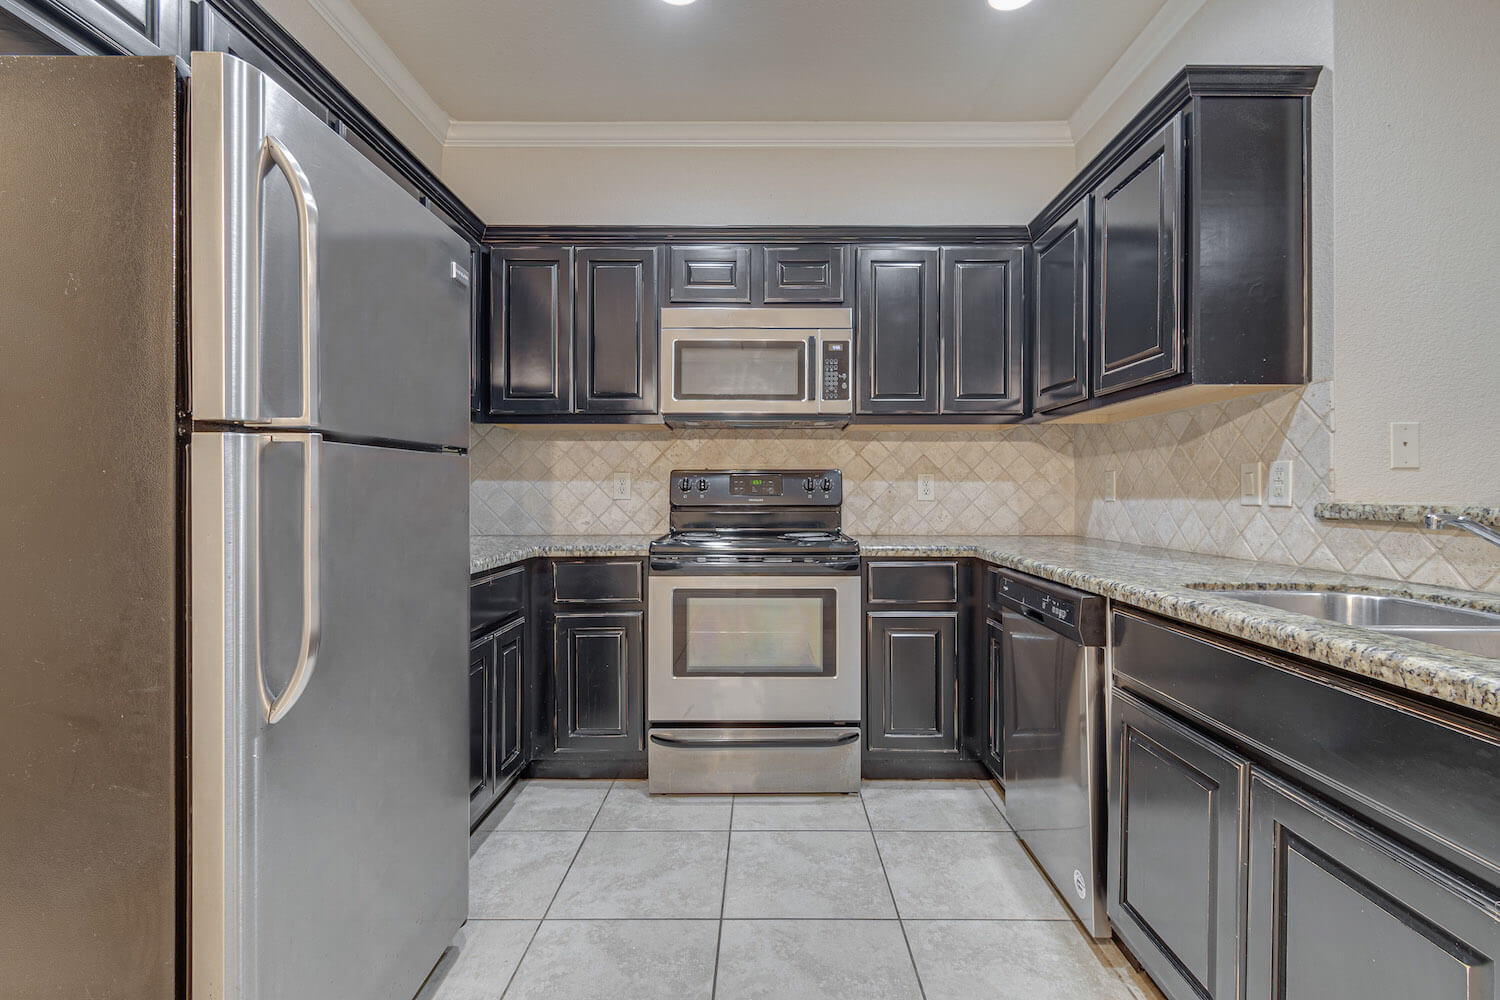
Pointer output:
x,y
1401,513
487,552
1167,582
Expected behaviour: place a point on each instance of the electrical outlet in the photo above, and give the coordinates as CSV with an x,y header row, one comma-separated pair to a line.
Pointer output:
x,y
622,486
1404,446
1250,484
1279,484
926,488
1111,486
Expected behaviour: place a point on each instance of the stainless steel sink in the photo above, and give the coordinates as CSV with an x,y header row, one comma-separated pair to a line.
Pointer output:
x,y
1441,624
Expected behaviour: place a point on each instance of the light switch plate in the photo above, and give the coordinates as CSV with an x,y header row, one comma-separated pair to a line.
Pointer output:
x,y
1111,486
622,486
1279,484
1250,484
926,488
1404,446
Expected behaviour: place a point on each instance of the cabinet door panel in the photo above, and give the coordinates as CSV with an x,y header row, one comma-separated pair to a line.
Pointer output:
x,y
811,273
598,663
709,275
531,312
1060,277
1338,911
983,330
1175,867
1138,240
616,326
896,330
911,681
481,742
509,740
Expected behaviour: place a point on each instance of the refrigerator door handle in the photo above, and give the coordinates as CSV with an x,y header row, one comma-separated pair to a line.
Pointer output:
x,y
274,153
277,708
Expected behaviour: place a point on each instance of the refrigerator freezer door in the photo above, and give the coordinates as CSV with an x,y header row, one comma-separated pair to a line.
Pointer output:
x,y
330,847
323,296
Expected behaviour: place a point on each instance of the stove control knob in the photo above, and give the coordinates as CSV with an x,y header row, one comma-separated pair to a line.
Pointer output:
x,y
703,486
685,485
808,484
827,485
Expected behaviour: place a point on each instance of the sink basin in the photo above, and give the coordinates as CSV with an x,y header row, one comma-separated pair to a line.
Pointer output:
x,y
1456,628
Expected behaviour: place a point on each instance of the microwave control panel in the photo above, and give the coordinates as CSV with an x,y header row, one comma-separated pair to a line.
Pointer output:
x,y
836,369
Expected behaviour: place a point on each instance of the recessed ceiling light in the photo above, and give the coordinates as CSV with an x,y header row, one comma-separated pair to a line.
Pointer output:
x,y
997,4
684,3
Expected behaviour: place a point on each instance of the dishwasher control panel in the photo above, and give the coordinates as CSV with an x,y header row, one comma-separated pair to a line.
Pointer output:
x,y
1072,611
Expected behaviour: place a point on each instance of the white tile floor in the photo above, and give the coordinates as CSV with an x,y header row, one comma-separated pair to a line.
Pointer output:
x,y
912,890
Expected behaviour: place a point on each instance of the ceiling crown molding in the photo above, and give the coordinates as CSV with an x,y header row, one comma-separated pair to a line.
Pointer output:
x,y
350,25
1138,55
784,135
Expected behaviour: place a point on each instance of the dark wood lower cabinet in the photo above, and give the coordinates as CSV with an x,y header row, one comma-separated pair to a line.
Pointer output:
x,y
497,742
1339,911
598,662
911,678
992,689
1176,870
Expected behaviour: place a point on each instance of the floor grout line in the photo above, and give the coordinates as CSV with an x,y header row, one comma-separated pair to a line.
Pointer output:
x,y
538,928
910,955
723,899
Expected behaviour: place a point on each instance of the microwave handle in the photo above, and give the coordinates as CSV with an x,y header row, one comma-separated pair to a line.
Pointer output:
x,y
812,369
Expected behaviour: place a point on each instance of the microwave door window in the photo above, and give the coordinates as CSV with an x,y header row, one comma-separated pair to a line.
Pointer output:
x,y
745,369
756,634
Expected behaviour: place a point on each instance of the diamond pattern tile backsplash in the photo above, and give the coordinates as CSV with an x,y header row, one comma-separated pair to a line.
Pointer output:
x,y
1178,487
541,480
1177,484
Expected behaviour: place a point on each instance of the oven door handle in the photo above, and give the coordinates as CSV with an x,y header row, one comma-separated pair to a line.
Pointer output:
x,y
757,743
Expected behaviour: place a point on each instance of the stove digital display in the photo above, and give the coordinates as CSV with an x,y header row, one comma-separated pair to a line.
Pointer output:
x,y
755,486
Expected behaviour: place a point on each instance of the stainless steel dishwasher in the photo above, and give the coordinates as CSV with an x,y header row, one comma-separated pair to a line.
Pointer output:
x,y
1052,654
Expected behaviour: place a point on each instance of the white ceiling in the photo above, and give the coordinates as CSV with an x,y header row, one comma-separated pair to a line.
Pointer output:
x,y
757,60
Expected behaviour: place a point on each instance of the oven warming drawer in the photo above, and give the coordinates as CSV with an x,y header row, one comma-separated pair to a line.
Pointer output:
x,y
694,760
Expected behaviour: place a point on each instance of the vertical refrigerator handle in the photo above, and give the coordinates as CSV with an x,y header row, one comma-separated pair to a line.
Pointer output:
x,y
277,708
273,153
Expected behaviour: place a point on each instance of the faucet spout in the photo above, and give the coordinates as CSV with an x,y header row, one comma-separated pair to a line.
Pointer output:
x,y
1434,521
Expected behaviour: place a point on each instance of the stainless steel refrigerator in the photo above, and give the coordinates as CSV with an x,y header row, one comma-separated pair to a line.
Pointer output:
x,y
234,508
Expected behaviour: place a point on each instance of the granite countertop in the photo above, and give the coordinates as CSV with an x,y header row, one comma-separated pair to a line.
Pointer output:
x,y
1164,581
487,552
1402,513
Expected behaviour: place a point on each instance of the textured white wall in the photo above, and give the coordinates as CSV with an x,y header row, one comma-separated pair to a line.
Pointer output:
x,y
1417,277
309,28
707,186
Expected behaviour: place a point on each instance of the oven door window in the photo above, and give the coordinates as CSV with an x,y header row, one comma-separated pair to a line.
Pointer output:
x,y
740,369
754,633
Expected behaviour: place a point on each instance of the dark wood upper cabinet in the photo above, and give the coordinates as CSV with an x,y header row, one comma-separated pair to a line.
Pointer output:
x,y
808,273
896,331
615,326
531,330
709,275
983,330
1060,273
1138,253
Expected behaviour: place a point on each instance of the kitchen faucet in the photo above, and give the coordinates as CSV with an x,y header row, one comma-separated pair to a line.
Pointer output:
x,y
1433,521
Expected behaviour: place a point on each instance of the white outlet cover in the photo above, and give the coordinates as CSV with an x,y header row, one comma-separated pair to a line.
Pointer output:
x,y
926,488
1279,484
1111,486
1404,454
622,486
1250,484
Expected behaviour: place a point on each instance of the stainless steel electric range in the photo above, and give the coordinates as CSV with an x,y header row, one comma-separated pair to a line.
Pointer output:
x,y
754,665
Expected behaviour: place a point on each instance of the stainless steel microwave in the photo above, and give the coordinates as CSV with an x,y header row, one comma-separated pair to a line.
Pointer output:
x,y
747,366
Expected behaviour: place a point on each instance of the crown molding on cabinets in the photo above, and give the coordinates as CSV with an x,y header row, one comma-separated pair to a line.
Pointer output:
x,y
366,42
1160,30
787,134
